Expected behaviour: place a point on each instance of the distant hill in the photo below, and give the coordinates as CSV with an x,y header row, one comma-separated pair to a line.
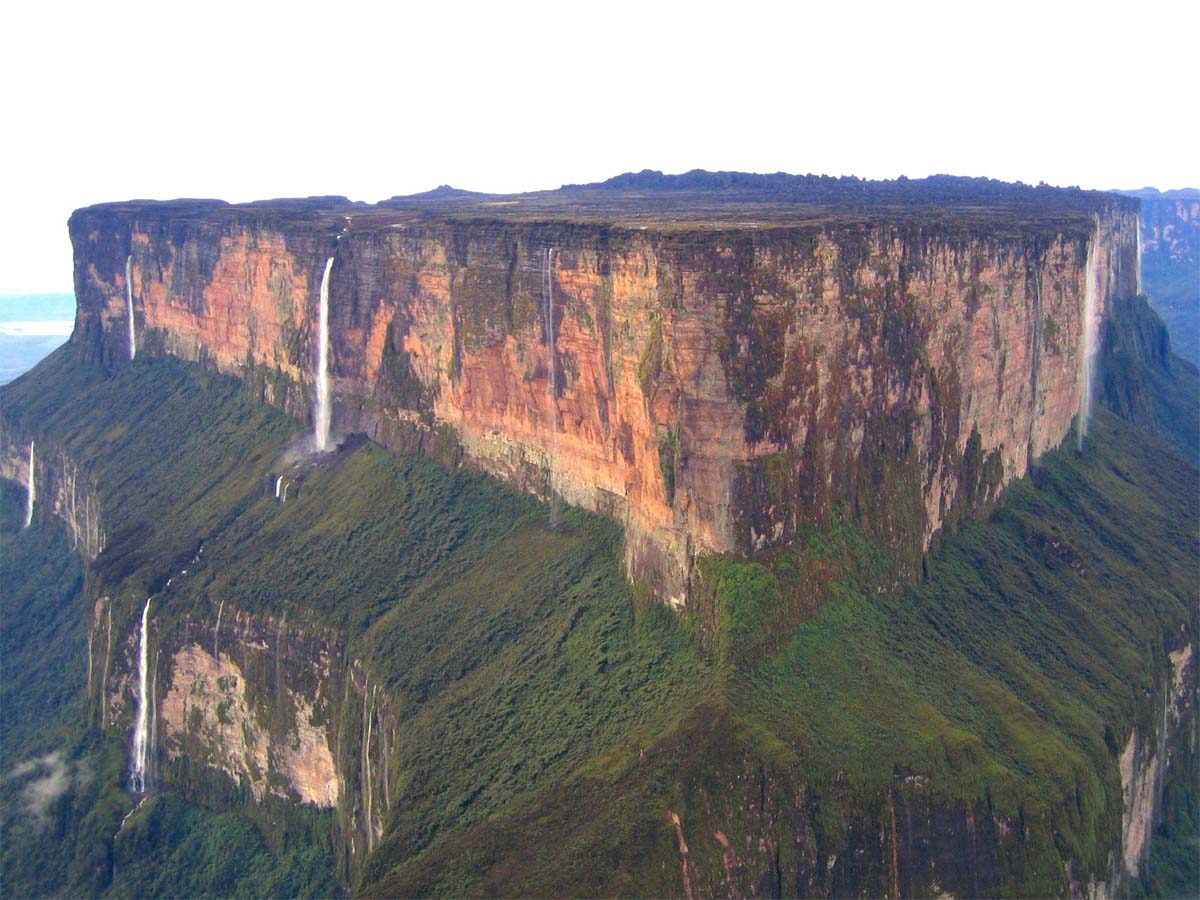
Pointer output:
x,y
1171,262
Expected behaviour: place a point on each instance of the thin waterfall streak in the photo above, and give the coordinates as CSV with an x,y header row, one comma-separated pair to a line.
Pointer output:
x,y
107,660
372,815
71,503
1035,393
140,734
278,484
74,513
370,782
1088,339
217,631
323,414
366,766
279,661
387,793
129,304
31,494
153,754
548,304
1137,275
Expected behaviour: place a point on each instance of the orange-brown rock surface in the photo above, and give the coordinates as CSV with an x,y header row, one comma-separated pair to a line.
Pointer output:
x,y
715,380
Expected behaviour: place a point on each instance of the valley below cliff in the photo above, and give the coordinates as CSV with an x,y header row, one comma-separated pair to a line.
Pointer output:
x,y
835,606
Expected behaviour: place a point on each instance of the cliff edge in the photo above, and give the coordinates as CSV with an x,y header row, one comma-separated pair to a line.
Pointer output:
x,y
716,360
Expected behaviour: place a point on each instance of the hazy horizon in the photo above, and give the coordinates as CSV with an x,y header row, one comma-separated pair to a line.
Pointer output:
x,y
32,325
369,103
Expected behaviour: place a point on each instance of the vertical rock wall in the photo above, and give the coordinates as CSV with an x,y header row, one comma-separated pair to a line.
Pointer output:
x,y
714,390
61,490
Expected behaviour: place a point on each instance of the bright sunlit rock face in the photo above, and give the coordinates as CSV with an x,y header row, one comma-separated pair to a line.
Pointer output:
x,y
209,713
714,380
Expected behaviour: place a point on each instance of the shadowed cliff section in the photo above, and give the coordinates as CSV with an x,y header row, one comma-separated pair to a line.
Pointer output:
x,y
1146,383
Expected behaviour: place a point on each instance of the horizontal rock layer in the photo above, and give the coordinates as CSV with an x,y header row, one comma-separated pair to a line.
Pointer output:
x,y
715,388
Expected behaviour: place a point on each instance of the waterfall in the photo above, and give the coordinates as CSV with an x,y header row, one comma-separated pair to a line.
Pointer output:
x,y
322,415
278,485
548,310
31,494
107,660
1091,330
367,710
217,631
1137,274
153,755
129,303
141,742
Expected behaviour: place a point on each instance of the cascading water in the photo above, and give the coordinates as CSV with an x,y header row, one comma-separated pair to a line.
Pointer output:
x,y
322,415
278,485
1138,271
129,303
1091,330
548,312
31,494
141,737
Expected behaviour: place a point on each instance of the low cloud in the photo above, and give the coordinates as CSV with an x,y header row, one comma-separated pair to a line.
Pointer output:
x,y
51,779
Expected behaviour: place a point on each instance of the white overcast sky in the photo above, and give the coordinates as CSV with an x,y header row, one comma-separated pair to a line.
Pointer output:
x,y
116,100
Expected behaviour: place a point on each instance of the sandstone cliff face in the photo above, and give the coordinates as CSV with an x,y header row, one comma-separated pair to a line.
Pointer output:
x,y
904,843
258,703
1145,759
61,491
765,835
714,389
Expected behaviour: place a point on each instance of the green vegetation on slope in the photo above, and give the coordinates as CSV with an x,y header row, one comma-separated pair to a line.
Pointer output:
x,y
43,676
550,728
169,848
62,797
173,453
1011,677
43,638
513,655
1173,868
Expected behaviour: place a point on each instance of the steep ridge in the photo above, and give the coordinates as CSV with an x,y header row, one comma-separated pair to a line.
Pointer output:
x,y
731,358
